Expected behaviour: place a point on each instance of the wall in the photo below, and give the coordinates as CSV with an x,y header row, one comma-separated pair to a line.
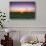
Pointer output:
x,y
40,20
25,26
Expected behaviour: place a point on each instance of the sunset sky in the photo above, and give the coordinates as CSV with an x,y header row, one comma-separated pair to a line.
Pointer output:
x,y
22,7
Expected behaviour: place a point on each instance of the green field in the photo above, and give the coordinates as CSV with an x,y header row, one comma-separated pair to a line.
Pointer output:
x,y
25,15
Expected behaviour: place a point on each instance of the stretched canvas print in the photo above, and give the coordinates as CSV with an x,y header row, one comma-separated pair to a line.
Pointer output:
x,y
22,10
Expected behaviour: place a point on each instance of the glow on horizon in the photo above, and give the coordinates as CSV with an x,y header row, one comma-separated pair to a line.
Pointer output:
x,y
13,9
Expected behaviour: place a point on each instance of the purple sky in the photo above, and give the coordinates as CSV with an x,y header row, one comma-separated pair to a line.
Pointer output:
x,y
21,4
